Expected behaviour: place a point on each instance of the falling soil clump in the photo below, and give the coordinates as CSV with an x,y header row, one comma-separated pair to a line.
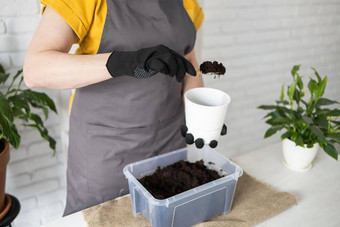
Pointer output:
x,y
177,178
212,67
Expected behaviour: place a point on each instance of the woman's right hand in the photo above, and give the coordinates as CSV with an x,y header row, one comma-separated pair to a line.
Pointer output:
x,y
146,62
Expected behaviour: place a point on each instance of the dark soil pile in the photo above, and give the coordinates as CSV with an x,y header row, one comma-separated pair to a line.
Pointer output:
x,y
212,67
178,177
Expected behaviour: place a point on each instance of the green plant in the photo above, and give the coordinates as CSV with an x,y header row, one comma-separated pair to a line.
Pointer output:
x,y
18,103
305,122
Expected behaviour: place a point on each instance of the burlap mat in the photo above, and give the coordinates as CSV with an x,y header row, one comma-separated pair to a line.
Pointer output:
x,y
253,203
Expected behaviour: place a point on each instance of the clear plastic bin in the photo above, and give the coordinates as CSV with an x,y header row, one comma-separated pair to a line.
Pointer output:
x,y
190,207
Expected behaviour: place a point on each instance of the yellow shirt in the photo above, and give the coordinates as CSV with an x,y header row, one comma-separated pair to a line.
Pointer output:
x,y
88,20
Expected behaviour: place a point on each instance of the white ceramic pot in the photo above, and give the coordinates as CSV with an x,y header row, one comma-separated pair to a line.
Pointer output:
x,y
296,157
205,112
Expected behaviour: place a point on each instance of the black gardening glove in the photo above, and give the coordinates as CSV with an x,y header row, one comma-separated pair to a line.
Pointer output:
x,y
146,62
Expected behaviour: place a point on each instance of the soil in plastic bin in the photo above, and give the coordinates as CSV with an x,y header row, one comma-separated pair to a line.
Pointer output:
x,y
178,177
212,67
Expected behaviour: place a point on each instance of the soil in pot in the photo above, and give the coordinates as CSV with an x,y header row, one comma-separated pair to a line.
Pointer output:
x,y
177,178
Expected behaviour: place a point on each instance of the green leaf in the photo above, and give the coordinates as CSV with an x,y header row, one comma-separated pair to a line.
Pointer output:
x,y
13,137
312,85
278,120
321,89
333,113
324,102
4,126
299,141
335,135
3,77
5,108
299,83
2,70
271,121
285,135
331,150
19,102
310,145
273,114
44,134
319,134
322,122
282,109
10,132
296,115
45,111
283,102
305,133
40,98
267,107
272,130
36,118
317,74
328,112
294,136
297,96
294,70
336,125
42,107
282,93
291,90
307,119
20,114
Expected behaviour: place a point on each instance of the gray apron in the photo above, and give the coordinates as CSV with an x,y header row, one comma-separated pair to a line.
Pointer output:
x,y
123,120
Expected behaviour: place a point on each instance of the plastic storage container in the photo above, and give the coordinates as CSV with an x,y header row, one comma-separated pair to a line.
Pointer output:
x,y
190,207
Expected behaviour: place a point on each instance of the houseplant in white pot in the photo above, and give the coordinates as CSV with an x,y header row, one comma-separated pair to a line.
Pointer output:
x,y
17,107
307,124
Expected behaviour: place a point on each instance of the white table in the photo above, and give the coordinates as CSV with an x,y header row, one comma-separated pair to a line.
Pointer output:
x,y
317,190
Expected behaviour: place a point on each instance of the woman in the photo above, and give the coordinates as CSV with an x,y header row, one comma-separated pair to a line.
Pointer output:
x,y
129,73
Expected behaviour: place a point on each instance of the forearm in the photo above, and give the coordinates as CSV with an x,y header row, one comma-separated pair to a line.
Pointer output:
x,y
47,62
57,70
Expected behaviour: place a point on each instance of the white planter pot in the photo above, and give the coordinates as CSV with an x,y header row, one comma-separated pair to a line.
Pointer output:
x,y
296,157
205,112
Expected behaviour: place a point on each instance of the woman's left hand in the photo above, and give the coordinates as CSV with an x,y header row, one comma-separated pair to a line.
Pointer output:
x,y
146,62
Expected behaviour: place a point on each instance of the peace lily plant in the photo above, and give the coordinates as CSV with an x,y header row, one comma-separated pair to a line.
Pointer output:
x,y
16,108
17,103
307,123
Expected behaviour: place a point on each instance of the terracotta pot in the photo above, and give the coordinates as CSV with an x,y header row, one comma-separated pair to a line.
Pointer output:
x,y
4,159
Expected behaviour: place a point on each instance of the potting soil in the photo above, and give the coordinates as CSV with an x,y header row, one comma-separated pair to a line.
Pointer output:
x,y
212,67
178,177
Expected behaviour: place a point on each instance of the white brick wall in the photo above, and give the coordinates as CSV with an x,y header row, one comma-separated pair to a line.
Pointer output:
x,y
34,176
258,40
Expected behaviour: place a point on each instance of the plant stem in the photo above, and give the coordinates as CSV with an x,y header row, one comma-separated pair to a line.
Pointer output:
x,y
10,86
19,85
10,92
